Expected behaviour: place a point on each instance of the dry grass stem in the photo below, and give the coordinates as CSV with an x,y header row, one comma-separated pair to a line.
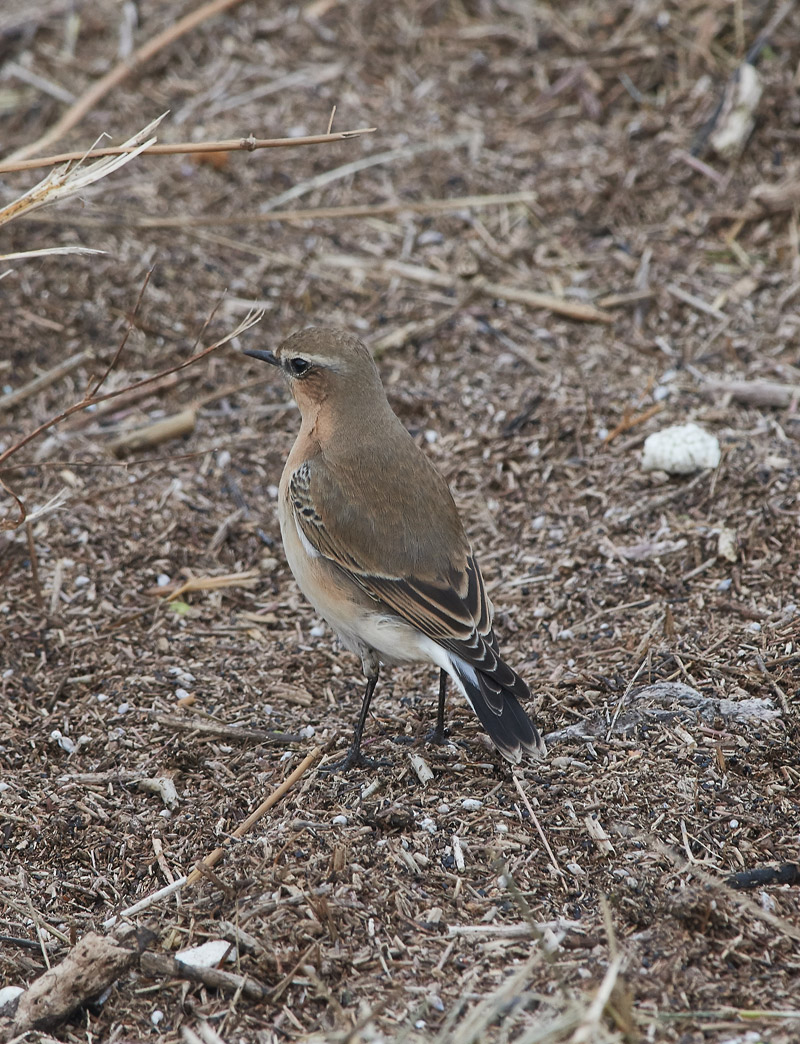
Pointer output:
x,y
214,857
743,901
120,72
7,523
535,820
232,732
25,255
380,159
63,184
187,148
629,421
694,301
390,269
44,380
756,393
428,206
209,583
588,1029
146,903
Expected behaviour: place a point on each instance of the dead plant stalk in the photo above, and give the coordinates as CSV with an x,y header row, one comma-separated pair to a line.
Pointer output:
x,y
90,400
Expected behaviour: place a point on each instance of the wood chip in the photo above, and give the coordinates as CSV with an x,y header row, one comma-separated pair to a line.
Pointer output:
x,y
422,768
174,427
93,964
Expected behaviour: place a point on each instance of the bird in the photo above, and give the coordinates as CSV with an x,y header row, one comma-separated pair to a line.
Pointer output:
x,y
375,542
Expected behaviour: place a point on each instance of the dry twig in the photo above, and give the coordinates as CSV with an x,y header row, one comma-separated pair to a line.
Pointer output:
x,y
44,380
63,183
214,857
8,523
389,269
157,965
120,72
365,210
535,820
173,427
86,971
182,148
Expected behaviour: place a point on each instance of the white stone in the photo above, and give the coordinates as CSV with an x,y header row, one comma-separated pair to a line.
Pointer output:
x,y
680,450
10,993
207,954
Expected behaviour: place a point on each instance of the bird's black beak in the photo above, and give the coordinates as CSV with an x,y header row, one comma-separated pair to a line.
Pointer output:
x,y
263,355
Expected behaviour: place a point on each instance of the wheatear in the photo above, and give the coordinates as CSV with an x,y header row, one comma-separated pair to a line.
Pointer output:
x,y
375,542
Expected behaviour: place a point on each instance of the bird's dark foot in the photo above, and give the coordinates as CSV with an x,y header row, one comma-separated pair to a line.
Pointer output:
x,y
438,736
355,759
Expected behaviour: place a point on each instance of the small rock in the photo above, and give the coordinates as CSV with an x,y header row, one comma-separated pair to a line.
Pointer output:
x,y
727,545
63,741
207,954
471,804
680,450
9,994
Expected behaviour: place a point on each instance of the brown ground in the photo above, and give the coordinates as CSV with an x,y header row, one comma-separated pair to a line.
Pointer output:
x,y
600,574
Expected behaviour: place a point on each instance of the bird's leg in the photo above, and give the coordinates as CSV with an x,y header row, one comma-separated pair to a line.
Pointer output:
x,y
354,756
439,735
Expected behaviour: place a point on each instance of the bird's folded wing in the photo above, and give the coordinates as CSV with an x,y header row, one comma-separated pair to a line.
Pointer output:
x,y
454,610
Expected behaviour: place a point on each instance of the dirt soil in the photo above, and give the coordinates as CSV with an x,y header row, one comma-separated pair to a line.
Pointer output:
x,y
377,895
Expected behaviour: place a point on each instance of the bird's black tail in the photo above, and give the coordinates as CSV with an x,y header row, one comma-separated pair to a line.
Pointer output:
x,y
495,699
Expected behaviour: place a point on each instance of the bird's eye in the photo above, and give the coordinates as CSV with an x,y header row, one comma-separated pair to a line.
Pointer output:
x,y
298,366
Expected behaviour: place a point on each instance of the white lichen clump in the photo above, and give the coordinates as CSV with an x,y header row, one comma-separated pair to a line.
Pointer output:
x,y
680,450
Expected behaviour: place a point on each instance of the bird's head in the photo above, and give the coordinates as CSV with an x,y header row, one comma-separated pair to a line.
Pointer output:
x,y
320,363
